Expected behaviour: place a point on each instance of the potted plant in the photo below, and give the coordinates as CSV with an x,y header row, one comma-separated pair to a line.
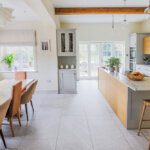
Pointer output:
x,y
113,63
9,59
117,63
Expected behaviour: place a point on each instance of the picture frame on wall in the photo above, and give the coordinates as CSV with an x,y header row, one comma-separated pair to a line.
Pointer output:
x,y
45,45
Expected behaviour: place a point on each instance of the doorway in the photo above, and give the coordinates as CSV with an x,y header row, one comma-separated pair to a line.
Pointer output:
x,y
89,60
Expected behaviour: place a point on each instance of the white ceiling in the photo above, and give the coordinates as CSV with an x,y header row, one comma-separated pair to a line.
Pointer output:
x,y
22,12
100,3
101,18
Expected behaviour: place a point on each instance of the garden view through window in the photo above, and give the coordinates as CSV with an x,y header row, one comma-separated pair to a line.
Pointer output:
x,y
95,54
24,58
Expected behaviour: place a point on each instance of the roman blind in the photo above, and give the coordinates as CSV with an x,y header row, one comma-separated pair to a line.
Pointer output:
x,y
17,37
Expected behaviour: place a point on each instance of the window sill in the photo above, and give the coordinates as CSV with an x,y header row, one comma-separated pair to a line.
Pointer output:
x,y
12,71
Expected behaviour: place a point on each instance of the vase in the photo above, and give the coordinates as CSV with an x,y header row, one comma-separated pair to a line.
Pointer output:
x,y
117,68
111,69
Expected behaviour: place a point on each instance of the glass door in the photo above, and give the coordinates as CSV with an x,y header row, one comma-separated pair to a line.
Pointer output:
x,y
95,54
94,59
89,60
83,61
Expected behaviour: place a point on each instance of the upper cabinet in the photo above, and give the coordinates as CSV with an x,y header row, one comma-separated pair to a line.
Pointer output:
x,y
66,43
147,45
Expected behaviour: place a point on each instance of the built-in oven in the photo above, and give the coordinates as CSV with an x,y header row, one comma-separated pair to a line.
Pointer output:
x,y
132,52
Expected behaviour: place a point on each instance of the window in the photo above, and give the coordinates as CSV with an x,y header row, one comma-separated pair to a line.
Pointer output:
x,y
20,43
113,49
24,57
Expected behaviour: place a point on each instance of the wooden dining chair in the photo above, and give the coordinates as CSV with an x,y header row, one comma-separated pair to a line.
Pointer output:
x,y
14,108
3,111
27,97
20,75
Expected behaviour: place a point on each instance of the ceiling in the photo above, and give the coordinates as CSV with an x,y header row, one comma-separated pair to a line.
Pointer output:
x,y
100,3
101,18
22,12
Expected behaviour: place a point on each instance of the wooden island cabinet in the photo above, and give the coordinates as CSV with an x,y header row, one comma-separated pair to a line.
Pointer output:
x,y
124,96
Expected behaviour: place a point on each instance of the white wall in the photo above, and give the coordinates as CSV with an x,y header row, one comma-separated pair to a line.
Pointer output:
x,y
104,32
46,60
145,26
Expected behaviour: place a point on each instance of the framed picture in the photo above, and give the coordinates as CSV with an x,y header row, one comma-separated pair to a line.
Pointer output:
x,y
45,45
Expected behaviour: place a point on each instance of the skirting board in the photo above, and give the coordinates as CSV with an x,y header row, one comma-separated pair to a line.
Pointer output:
x,y
46,92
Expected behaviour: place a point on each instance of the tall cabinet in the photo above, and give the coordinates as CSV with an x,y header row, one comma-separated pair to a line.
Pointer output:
x,y
66,46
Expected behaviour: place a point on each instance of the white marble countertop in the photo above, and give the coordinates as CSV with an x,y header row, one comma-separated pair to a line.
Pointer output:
x,y
143,85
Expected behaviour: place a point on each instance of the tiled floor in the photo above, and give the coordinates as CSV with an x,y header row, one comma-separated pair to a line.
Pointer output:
x,y
73,122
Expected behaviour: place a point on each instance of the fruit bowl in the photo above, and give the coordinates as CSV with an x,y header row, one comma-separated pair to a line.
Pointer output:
x,y
135,76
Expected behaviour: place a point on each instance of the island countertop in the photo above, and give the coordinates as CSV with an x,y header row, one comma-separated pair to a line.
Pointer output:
x,y
143,85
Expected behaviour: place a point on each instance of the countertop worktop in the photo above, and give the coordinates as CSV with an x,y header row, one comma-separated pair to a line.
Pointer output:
x,y
143,85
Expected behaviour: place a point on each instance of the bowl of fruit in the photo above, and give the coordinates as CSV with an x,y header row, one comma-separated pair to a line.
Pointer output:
x,y
135,76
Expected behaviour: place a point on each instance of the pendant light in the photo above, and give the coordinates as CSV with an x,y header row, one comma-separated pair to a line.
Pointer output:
x,y
125,16
147,10
113,22
5,15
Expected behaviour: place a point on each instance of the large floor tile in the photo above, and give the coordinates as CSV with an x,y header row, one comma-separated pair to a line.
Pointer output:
x,y
73,134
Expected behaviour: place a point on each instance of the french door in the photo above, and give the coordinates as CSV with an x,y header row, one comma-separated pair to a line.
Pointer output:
x,y
89,60
94,54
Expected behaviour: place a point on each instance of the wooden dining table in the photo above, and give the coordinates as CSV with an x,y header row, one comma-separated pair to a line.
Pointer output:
x,y
6,88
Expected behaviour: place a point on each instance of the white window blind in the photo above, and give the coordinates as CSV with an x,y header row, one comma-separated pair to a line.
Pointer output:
x,y
17,37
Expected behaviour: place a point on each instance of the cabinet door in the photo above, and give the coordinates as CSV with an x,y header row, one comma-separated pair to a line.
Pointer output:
x,y
61,42
71,44
66,42
67,81
147,45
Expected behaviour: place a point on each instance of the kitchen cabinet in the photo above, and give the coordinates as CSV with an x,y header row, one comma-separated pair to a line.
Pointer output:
x,y
66,43
136,45
147,45
67,81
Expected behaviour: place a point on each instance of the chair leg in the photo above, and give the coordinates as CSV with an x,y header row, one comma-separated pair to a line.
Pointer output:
x,y
32,105
141,119
11,126
26,108
18,116
3,139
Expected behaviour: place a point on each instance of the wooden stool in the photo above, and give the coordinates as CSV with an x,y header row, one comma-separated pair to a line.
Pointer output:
x,y
146,104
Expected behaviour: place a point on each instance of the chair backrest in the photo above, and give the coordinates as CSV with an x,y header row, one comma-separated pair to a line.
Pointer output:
x,y
16,97
3,110
27,95
34,87
20,75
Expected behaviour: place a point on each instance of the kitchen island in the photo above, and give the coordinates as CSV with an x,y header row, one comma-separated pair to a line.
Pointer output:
x,y
124,96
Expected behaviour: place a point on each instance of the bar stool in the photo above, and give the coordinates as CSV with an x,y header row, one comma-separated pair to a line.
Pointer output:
x,y
146,103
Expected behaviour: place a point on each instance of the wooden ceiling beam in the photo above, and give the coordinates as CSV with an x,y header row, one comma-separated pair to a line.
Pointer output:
x,y
99,10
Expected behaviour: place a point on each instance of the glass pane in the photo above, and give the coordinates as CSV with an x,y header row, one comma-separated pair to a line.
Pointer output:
x,y
106,52
94,64
83,60
70,42
119,50
63,42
